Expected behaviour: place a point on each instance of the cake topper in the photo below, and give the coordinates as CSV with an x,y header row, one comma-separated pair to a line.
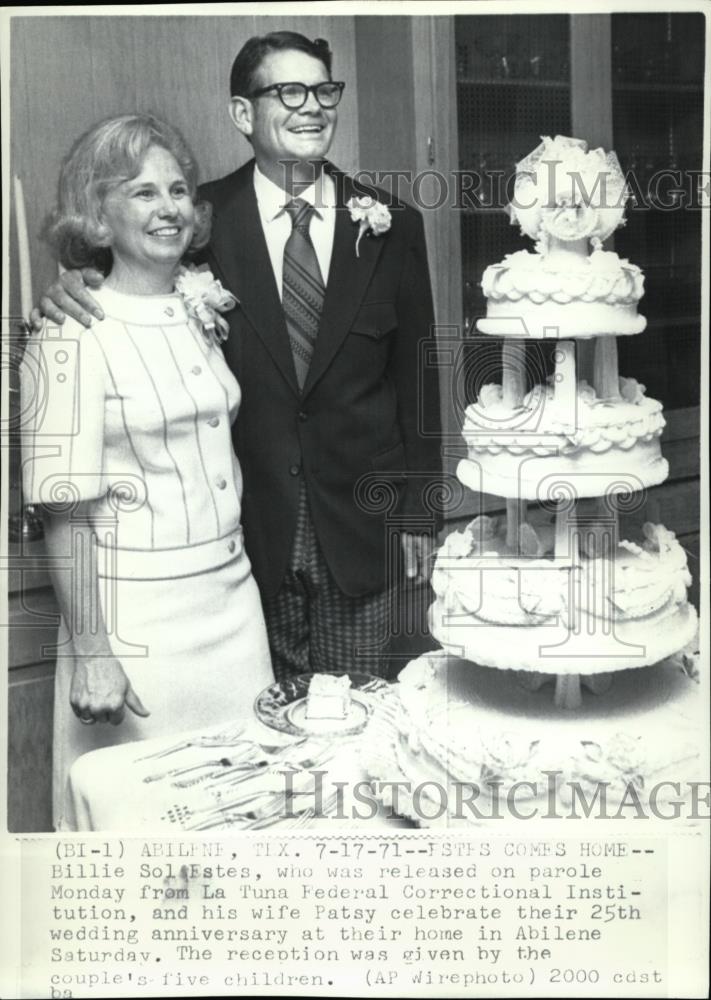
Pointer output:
x,y
567,192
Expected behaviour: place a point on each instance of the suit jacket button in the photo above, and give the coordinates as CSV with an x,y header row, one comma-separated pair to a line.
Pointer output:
x,y
295,469
303,416
232,545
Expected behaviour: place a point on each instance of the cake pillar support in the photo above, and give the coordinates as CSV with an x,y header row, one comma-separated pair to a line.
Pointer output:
x,y
513,381
516,511
566,548
586,360
606,375
568,693
566,389
610,518
513,384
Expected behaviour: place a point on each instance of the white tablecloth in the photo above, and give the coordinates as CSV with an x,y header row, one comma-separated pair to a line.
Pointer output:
x,y
108,790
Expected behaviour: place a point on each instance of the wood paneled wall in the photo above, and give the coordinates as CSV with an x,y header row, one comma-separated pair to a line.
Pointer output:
x,y
69,72
386,95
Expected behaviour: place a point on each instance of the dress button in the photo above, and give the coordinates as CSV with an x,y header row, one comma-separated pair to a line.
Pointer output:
x,y
303,416
170,311
232,545
295,469
220,483
196,370
214,421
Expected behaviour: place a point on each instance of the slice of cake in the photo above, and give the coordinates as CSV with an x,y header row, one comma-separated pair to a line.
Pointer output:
x,y
329,697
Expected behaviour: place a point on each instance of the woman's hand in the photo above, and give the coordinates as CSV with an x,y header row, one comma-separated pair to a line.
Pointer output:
x,y
101,691
68,296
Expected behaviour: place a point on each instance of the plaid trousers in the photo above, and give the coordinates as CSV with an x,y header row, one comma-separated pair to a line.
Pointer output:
x,y
313,626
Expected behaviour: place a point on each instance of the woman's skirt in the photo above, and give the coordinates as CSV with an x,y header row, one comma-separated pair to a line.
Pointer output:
x,y
195,650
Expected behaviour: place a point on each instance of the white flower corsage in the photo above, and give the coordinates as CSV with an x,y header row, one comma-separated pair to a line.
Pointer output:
x,y
205,299
370,215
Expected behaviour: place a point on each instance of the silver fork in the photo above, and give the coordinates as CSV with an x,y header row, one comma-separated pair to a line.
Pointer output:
x,y
252,747
301,819
302,765
178,771
251,768
215,815
261,821
247,770
228,738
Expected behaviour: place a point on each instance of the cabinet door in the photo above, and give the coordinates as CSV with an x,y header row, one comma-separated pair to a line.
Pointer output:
x,y
657,70
512,87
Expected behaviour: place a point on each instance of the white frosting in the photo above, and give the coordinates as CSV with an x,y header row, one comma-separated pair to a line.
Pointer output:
x,y
328,697
544,426
585,474
564,644
474,573
567,199
452,722
562,294
602,277
567,192
594,445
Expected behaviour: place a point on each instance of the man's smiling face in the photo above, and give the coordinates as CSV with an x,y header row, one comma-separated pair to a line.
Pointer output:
x,y
278,133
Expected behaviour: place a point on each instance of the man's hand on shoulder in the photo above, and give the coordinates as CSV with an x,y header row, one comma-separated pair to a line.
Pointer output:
x,y
68,296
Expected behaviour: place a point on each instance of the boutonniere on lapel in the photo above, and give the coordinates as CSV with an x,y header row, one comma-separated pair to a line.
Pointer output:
x,y
205,299
371,216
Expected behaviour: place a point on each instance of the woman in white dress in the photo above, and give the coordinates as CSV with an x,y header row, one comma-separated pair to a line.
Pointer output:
x,y
128,449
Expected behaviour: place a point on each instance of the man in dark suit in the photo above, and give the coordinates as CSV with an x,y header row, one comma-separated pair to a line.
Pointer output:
x,y
325,343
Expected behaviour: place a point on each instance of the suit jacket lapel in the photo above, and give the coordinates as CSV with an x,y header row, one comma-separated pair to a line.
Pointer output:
x,y
240,248
348,279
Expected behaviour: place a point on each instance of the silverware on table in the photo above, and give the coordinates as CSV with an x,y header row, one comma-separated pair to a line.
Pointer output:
x,y
255,795
227,778
251,747
228,738
178,771
248,769
256,819
301,818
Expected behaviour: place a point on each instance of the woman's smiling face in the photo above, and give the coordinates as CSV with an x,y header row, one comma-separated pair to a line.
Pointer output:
x,y
151,217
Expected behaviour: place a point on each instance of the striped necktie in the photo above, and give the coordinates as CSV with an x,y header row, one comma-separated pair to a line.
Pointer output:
x,y
302,288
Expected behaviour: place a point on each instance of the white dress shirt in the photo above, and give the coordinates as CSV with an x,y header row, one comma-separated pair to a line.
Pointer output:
x,y
276,222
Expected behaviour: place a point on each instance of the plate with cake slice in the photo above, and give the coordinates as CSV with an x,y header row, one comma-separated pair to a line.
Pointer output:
x,y
320,703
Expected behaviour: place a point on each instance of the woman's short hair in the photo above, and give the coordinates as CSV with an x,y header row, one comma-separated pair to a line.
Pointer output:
x,y
110,153
243,77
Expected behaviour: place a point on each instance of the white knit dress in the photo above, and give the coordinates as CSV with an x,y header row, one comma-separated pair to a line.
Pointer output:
x,y
136,413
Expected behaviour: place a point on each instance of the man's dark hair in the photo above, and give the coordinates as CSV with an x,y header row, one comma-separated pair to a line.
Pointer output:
x,y
249,58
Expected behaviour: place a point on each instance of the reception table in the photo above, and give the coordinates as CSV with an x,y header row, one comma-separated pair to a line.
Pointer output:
x,y
294,781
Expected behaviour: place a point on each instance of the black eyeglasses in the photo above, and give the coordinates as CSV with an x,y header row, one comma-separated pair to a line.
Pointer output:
x,y
294,95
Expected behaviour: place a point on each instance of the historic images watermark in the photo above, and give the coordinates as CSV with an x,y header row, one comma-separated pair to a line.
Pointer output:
x,y
550,796
493,189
